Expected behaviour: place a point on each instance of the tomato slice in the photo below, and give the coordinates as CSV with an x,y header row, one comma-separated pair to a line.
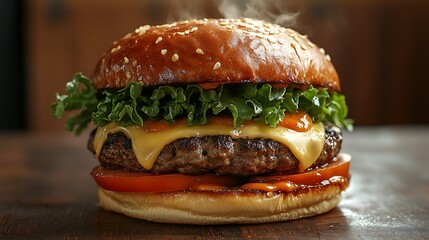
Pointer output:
x,y
299,121
120,181
338,167
209,85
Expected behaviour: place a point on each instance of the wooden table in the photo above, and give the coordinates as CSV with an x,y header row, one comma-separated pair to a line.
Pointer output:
x,y
46,191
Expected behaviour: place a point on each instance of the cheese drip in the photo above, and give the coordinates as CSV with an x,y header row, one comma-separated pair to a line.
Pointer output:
x,y
306,146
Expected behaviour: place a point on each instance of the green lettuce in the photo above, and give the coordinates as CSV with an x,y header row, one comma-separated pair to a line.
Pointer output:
x,y
82,98
133,104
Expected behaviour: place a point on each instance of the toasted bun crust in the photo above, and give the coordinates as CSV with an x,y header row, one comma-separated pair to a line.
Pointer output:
x,y
228,207
215,50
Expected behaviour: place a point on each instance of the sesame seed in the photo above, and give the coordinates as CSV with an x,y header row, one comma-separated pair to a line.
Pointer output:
x,y
322,51
164,51
134,63
328,57
126,60
142,29
216,66
303,47
270,194
115,49
181,33
175,57
199,51
272,39
260,36
128,73
194,29
159,39
103,65
229,27
187,31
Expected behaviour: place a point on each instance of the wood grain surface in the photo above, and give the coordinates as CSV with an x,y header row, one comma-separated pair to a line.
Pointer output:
x,y
46,192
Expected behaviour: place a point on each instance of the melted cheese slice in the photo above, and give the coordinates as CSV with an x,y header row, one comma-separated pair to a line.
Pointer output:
x,y
306,146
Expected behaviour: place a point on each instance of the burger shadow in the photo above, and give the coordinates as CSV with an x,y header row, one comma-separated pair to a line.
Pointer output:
x,y
108,224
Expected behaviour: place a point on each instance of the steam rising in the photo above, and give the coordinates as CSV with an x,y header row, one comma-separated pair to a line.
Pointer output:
x,y
272,11
186,9
275,11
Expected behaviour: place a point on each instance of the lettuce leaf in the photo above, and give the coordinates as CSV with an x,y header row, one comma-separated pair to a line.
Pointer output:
x,y
133,104
83,99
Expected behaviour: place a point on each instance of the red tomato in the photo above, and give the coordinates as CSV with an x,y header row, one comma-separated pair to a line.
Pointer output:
x,y
339,167
299,121
120,181
209,85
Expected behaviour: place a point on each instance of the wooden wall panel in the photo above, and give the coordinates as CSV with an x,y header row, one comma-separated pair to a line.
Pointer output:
x,y
71,42
379,49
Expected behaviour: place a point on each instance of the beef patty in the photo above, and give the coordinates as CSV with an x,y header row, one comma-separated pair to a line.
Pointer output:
x,y
214,154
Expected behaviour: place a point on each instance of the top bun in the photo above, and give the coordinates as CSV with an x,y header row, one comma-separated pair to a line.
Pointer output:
x,y
215,50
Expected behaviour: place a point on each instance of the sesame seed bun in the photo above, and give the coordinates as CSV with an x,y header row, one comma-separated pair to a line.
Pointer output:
x,y
215,50
231,207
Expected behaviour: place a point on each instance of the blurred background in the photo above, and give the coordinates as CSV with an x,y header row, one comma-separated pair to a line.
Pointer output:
x,y
380,49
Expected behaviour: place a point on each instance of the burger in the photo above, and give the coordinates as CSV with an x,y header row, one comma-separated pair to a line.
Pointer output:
x,y
213,121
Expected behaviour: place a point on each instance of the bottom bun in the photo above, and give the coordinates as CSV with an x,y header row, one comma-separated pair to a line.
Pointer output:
x,y
225,207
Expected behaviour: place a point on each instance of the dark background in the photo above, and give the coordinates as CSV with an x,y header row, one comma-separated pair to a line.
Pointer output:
x,y
380,50
12,75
